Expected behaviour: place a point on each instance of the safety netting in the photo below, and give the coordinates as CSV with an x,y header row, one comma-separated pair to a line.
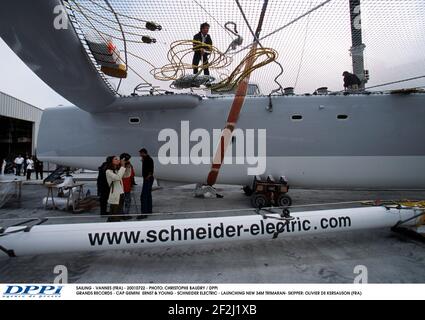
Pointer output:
x,y
309,40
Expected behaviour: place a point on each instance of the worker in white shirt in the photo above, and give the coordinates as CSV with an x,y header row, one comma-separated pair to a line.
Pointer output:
x,y
30,167
18,164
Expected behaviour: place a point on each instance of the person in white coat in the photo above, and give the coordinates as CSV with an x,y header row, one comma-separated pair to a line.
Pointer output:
x,y
114,173
30,167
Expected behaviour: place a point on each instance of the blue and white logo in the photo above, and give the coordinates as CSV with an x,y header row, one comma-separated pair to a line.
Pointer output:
x,y
35,291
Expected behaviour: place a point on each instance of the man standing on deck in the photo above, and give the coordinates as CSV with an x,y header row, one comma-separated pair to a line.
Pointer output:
x,y
202,52
147,173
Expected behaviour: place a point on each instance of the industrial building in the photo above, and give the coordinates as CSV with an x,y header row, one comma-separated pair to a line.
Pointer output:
x,y
19,123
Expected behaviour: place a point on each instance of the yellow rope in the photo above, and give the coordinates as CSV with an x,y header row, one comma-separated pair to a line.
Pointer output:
x,y
413,204
176,68
260,56
404,203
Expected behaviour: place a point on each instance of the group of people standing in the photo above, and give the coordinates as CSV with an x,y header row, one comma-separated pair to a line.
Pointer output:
x,y
27,166
115,182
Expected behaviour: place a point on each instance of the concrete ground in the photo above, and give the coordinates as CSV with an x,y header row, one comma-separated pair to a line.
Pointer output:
x,y
327,258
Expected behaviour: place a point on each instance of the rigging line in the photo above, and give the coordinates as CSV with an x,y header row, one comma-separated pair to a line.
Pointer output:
x,y
108,34
206,11
409,219
395,82
120,14
200,211
105,18
119,85
139,57
287,25
303,49
107,25
387,84
100,34
261,20
247,23
235,42
124,40
258,41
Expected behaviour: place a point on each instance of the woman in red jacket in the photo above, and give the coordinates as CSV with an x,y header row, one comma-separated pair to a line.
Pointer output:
x,y
127,183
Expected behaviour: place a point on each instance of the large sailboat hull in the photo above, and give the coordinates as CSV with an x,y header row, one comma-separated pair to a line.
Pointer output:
x,y
357,141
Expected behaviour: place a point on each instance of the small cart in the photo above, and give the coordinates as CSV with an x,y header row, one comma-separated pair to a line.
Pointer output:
x,y
268,192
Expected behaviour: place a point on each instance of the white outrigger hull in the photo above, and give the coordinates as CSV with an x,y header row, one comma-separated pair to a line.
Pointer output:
x,y
44,239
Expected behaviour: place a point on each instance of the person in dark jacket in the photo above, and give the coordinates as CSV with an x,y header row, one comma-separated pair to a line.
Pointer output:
x,y
103,188
148,178
201,52
351,81
38,167
25,164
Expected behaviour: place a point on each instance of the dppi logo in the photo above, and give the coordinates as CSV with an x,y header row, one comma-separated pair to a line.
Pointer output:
x,y
29,291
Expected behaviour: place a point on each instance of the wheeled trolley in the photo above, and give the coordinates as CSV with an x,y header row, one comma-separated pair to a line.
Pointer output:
x,y
269,192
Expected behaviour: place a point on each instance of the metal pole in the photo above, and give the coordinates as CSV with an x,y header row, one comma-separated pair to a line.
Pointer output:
x,y
236,108
45,239
358,46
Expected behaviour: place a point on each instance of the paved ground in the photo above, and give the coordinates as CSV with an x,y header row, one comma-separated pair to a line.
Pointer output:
x,y
328,258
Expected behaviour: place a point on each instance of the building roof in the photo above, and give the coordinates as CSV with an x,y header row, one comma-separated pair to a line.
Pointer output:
x,y
18,109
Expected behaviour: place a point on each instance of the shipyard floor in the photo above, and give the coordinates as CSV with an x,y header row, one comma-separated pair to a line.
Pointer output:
x,y
327,258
